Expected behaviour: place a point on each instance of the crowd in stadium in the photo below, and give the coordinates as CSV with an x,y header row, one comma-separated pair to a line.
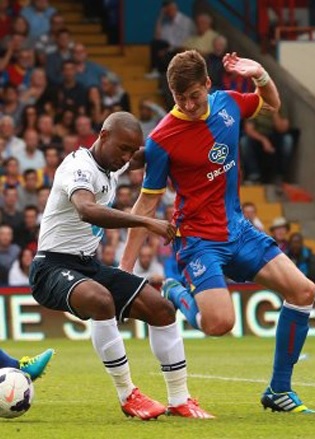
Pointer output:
x,y
54,100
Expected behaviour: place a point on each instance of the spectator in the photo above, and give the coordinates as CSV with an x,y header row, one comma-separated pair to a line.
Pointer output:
x,y
65,122
11,106
53,159
214,62
55,60
46,133
171,30
279,230
70,92
108,255
19,271
43,194
11,174
88,73
147,266
267,147
13,144
85,135
112,92
123,197
150,115
47,43
19,35
29,118
27,234
9,212
5,19
39,92
111,20
8,252
70,142
301,255
27,192
97,110
31,157
38,15
205,35
19,71
250,213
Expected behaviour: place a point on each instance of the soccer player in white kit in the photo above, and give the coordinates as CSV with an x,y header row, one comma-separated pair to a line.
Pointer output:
x,y
66,276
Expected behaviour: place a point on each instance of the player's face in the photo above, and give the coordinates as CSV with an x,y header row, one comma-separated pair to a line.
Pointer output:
x,y
119,147
194,101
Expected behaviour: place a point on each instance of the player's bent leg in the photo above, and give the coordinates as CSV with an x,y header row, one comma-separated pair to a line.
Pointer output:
x,y
182,299
91,299
217,311
150,307
281,275
167,345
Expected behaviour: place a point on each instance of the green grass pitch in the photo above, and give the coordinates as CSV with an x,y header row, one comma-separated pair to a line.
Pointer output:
x,y
77,400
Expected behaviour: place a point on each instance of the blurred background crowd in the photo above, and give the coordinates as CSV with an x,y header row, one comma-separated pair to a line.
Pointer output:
x,y
54,99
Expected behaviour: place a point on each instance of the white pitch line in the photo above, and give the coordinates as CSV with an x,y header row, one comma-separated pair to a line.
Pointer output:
x,y
239,379
242,380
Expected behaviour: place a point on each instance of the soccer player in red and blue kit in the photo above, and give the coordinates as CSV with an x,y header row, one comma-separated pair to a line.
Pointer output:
x,y
196,146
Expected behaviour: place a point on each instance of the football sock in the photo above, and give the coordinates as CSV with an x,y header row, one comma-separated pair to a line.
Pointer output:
x,y
167,345
290,337
187,304
109,345
8,361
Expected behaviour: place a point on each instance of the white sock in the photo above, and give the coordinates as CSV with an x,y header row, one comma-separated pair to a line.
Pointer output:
x,y
109,345
305,309
167,345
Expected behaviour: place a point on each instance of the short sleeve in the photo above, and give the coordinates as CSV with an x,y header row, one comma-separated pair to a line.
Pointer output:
x,y
78,174
157,168
248,103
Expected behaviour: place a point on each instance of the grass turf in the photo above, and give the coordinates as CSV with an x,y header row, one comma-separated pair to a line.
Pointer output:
x,y
76,398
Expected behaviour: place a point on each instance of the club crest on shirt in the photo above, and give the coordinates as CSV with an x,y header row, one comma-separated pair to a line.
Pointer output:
x,y
198,268
218,153
82,176
227,118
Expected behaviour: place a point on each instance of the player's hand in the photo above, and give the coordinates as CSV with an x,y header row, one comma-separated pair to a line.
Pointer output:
x,y
245,67
268,147
162,228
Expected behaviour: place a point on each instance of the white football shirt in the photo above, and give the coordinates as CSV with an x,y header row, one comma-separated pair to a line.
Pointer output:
x,y
61,228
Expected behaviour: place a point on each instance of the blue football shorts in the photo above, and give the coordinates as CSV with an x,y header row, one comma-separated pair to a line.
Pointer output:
x,y
205,264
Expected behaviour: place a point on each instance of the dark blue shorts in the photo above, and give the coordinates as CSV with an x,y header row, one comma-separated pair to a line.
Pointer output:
x,y
205,264
53,277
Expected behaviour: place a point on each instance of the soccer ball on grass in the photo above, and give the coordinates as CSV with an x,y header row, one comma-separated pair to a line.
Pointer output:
x,y
16,393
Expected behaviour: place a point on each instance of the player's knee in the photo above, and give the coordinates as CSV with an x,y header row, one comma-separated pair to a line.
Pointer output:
x,y
308,294
218,327
164,314
102,306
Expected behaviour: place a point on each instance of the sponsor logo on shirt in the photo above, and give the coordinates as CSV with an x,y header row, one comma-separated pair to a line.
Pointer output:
x,y
218,153
198,268
82,176
217,172
227,118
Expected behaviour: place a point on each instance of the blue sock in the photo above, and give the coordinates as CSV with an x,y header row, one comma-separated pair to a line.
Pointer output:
x,y
7,361
185,301
290,337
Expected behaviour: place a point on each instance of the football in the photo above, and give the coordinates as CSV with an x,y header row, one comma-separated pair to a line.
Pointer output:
x,y
16,393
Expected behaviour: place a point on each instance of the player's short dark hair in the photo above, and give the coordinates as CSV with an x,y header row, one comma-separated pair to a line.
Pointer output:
x,y
185,69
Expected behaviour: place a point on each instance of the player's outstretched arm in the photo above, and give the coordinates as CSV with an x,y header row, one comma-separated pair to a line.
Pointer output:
x,y
249,68
145,205
101,216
